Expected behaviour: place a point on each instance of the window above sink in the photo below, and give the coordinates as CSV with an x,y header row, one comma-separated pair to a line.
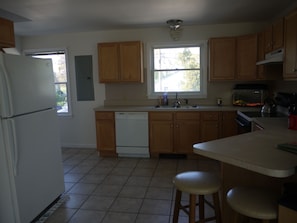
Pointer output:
x,y
177,68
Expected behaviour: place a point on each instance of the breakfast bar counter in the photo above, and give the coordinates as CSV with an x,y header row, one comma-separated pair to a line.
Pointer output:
x,y
253,159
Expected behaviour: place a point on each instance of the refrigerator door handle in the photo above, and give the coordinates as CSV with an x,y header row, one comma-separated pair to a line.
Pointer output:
x,y
14,146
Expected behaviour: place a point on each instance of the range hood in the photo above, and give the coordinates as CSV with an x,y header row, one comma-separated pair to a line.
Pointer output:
x,y
276,56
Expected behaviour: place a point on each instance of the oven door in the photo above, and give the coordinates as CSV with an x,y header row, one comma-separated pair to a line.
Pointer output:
x,y
243,125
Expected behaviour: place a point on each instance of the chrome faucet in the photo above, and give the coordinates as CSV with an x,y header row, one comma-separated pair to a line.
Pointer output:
x,y
176,102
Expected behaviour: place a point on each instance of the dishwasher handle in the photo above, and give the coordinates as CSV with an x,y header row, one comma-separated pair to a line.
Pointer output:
x,y
131,115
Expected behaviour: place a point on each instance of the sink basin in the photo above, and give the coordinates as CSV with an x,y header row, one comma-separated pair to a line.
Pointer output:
x,y
181,107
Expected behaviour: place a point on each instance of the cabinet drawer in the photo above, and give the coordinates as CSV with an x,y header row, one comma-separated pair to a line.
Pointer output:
x,y
187,115
104,115
161,116
210,115
229,115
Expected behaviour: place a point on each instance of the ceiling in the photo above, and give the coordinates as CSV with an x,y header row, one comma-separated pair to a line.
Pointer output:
x,y
41,17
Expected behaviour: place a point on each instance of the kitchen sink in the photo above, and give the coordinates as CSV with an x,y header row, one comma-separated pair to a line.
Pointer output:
x,y
181,107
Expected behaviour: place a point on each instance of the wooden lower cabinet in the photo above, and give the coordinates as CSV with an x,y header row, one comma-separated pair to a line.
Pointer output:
x,y
105,133
173,132
170,132
161,132
210,125
228,125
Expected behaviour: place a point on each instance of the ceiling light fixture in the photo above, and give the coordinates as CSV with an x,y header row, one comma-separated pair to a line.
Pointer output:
x,y
174,24
175,28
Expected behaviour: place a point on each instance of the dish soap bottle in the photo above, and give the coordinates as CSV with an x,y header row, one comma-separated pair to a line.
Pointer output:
x,y
165,99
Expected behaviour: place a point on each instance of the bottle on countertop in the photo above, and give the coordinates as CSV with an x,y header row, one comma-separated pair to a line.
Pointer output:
x,y
165,99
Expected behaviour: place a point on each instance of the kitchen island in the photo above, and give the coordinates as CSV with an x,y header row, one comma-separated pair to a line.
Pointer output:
x,y
253,159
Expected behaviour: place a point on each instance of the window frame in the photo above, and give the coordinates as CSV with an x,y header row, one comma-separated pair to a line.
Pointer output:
x,y
203,69
32,52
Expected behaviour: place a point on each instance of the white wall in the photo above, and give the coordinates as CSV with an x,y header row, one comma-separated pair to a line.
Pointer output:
x,y
78,130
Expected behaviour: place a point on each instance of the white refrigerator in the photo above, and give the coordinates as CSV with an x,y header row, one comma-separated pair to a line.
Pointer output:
x,y
31,172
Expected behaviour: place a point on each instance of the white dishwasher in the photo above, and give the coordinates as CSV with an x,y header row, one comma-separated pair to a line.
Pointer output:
x,y
132,134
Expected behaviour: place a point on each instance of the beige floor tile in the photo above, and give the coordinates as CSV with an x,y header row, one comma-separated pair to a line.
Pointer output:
x,y
116,217
133,192
126,190
115,180
108,190
127,205
83,188
61,215
159,193
93,178
99,203
74,200
144,218
156,207
138,181
87,216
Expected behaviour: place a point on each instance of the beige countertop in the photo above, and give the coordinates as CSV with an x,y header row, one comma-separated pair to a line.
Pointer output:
x,y
169,108
256,151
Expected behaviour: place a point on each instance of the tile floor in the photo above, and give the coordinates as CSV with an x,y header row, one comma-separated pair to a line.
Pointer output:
x,y
126,190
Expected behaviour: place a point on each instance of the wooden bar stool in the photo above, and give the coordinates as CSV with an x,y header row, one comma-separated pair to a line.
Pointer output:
x,y
197,183
253,202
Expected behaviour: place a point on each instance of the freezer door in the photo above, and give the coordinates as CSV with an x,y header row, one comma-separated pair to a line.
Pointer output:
x,y
26,85
36,161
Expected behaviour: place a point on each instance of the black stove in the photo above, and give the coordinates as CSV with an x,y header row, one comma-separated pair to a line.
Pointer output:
x,y
244,119
257,114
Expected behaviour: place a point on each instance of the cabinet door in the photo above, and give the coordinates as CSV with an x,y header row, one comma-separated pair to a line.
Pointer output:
x,y
268,39
161,132
108,62
105,133
186,131
278,34
229,125
261,55
210,126
290,60
6,34
186,134
274,36
131,62
247,57
222,58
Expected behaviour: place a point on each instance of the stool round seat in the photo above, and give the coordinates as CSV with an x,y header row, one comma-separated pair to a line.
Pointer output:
x,y
253,202
197,182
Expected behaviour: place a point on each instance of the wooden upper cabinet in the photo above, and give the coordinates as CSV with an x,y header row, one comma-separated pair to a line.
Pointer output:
x,y
290,59
233,58
274,36
131,61
6,33
261,56
120,62
222,58
108,62
246,51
